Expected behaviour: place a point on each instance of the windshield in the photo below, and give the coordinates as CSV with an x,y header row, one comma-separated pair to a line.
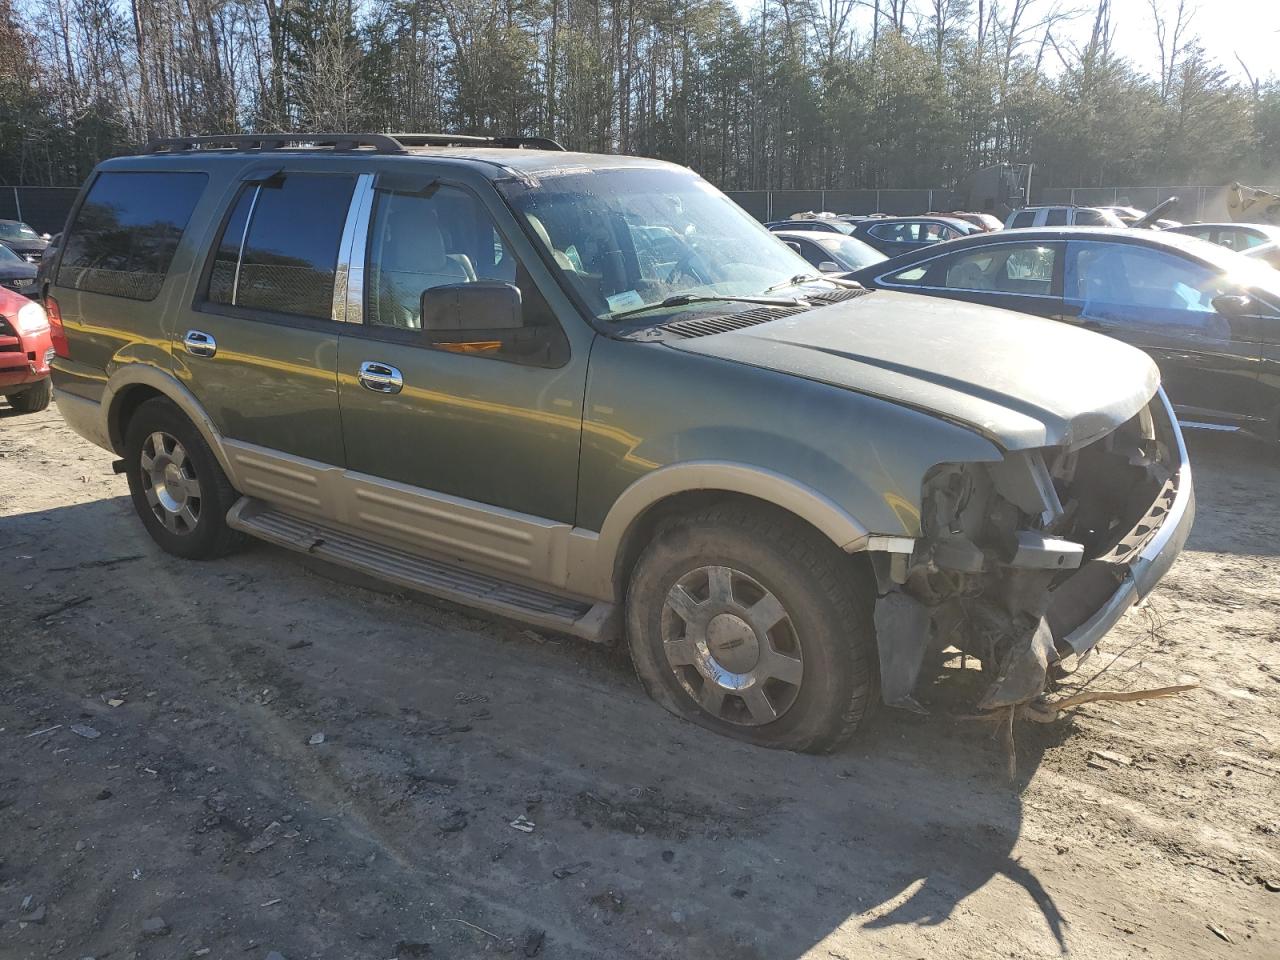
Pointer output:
x,y
1241,270
1088,217
851,251
13,230
631,237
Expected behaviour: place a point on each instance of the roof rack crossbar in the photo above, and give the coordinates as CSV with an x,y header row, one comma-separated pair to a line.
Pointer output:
x,y
380,142
470,140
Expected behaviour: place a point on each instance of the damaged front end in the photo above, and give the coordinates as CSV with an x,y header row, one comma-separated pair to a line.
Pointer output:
x,y
1030,560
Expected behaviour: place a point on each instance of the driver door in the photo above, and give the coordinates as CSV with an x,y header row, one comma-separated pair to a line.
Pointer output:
x,y
1163,303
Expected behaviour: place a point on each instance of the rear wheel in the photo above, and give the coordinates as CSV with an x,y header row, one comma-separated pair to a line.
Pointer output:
x,y
177,486
33,399
752,624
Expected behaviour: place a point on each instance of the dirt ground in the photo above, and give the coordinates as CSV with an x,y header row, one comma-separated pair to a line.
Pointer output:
x,y
202,820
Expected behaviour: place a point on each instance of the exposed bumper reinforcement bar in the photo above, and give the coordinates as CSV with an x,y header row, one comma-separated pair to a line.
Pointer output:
x,y
1152,561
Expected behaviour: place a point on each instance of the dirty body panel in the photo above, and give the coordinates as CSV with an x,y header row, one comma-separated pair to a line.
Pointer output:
x,y
1021,559
1030,561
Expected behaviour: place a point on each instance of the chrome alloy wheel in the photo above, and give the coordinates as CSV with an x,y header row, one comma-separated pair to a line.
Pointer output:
x,y
169,483
732,646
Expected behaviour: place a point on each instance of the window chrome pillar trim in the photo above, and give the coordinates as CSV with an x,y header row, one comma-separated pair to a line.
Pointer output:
x,y
244,237
348,285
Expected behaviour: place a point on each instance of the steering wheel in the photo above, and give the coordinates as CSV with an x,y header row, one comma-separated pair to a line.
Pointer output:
x,y
685,267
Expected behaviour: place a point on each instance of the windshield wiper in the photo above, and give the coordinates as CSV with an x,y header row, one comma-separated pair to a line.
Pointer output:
x,y
680,299
800,278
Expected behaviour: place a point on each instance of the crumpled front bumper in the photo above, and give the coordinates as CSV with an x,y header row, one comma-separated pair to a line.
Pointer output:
x,y
1152,559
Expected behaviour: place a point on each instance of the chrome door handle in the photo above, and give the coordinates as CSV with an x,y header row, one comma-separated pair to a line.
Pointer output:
x,y
200,344
380,377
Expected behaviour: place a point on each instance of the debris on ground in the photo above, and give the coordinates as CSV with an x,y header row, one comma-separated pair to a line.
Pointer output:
x,y
155,927
1219,932
523,824
316,739
408,949
455,821
86,731
533,942
1111,757
60,608
561,873
267,838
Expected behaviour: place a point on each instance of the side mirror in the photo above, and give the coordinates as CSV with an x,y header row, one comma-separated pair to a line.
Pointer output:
x,y
45,236
795,247
488,306
830,266
1233,305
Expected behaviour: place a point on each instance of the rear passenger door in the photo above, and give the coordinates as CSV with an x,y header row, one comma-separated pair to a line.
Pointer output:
x,y
258,346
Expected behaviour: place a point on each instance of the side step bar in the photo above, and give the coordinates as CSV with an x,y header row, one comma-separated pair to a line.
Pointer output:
x,y
596,621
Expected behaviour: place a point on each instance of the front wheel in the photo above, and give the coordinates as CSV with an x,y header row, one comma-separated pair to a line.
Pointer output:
x,y
33,399
752,624
177,485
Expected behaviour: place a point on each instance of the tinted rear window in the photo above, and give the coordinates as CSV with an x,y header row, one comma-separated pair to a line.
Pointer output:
x,y
124,237
291,247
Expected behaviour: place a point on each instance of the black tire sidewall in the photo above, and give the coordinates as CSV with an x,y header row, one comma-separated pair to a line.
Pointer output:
x,y
206,539
33,399
834,650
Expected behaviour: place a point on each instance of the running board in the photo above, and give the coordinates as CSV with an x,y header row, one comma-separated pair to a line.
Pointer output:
x,y
596,621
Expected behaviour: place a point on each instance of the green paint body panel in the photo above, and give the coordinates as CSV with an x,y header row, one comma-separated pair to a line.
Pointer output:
x,y
562,443
649,406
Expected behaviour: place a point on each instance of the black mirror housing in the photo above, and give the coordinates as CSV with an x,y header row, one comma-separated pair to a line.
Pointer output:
x,y
487,306
1232,305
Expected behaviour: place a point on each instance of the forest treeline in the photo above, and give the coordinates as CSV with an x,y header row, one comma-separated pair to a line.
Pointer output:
x,y
795,94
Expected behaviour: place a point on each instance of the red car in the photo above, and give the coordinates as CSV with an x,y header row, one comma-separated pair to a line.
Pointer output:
x,y
25,352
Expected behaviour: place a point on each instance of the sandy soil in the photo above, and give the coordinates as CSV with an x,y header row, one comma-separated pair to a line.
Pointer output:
x,y
202,805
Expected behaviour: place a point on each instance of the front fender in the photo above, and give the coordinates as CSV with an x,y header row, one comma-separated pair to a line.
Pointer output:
x,y
659,422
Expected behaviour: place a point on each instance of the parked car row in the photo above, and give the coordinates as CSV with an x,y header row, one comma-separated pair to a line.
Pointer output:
x,y
1208,317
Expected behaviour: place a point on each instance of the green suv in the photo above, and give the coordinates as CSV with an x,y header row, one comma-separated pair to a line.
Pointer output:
x,y
591,393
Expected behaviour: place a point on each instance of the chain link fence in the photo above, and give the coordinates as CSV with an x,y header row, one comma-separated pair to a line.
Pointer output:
x,y
1195,202
43,208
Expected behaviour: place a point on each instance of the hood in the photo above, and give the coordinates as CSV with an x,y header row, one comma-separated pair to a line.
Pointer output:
x,y
32,245
17,271
1021,381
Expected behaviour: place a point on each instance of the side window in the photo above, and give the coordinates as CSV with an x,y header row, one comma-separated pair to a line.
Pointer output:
x,y
1090,218
893,232
1239,239
1055,217
911,277
124,237
1139,287
1025,270
812,252
441,237
1023,218
279,249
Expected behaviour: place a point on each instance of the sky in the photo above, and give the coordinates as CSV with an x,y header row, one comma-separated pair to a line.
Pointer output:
x,y
1249,28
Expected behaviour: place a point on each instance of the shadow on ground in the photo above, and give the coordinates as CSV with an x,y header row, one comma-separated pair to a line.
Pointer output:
x,y
441,728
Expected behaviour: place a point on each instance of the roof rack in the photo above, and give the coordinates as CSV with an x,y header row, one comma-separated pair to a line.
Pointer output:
x,y
468,140
380,142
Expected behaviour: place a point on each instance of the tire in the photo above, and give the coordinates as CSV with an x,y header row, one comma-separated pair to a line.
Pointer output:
x,y
177,486
826,625
33,399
